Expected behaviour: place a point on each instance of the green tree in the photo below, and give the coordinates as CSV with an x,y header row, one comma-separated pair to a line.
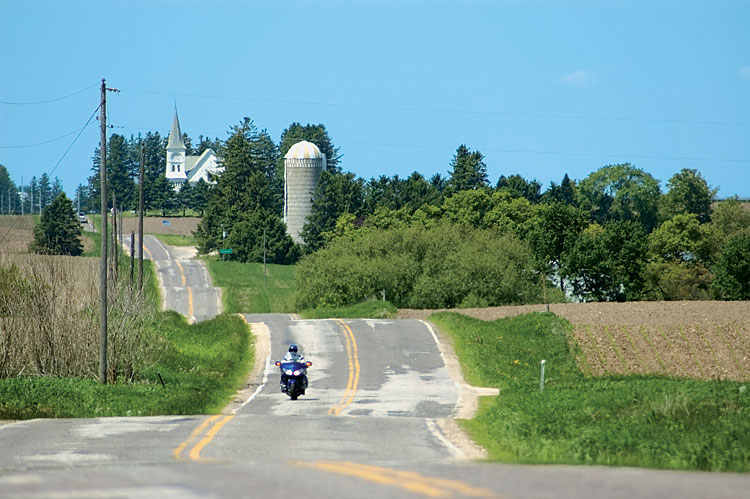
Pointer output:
x,y
732,280
336,194
682,237
519,187
185,197
468,207
45,190
199,198
621,192
607,263
563,193
58,231
554,231
247,237
163,194
730,217
243,199
318,135
9,192
468,170
677,280
688,192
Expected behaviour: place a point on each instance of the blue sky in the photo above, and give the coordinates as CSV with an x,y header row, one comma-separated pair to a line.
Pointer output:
x,y
541,88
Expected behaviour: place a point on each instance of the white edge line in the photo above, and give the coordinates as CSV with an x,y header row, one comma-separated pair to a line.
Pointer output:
x,y
260,387
432,426
434,337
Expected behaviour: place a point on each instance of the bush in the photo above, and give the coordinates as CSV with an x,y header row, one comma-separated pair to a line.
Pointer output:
x,y
444,266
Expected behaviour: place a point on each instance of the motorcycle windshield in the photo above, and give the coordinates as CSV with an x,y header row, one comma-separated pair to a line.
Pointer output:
x,y
293,366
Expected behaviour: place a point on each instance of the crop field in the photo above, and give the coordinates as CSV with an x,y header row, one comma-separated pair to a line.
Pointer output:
x,y
182,226
16,232
690,339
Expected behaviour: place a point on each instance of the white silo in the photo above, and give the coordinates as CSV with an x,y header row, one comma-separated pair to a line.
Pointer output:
x,y
303,165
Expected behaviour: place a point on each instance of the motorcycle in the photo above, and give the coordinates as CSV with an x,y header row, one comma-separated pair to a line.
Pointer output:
x,y
295,374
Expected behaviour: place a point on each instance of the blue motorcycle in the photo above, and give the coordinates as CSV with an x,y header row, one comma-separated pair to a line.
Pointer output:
x,y
293,377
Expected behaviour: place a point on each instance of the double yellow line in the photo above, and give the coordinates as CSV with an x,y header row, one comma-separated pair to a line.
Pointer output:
x,y
406,480
189,290
351,386
215,423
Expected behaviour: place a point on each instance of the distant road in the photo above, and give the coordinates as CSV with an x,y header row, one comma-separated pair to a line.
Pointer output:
x,y
185,283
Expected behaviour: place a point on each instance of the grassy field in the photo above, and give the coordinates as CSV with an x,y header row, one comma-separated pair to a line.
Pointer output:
x,y
368,309
243,290
201,366
631,420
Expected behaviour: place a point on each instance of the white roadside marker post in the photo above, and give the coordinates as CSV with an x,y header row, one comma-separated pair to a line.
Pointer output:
x,y
541,378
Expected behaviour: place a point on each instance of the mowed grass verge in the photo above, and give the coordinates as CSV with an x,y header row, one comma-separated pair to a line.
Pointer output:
x,y
201,365
243,290
645,421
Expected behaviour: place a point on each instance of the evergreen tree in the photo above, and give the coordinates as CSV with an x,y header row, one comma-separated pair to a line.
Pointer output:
x,y
120,166
32,197
58,231
11,202
163,194
519,187
563,193
468,170
57,188
336,194
243,200
200,194
45,190
185,197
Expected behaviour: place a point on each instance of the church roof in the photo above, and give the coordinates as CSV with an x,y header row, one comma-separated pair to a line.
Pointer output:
x,y
175,134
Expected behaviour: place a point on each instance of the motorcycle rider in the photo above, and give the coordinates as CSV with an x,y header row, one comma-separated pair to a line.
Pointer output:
x,y
293,355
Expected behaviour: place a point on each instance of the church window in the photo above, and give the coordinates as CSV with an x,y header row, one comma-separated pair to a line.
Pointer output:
x,y
172,167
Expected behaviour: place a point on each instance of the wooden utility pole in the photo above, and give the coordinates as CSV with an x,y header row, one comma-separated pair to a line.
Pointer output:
x,y
140,219
132,258
103,260
115,247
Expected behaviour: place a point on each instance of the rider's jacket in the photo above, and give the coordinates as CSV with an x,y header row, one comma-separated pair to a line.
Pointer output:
x,y
293,357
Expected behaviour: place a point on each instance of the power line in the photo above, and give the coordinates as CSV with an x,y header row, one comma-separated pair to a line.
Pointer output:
x,y
553,153
451,111
74,140
47,101
45,142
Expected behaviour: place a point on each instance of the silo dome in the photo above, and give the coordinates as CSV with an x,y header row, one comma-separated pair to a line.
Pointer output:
x,y
304,150
303,165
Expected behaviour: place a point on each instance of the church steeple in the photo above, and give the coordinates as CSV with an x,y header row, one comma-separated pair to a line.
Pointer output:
x,y
176,153
175,134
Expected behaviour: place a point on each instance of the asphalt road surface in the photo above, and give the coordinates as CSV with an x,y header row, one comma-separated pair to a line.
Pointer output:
x,y
185,283
368,427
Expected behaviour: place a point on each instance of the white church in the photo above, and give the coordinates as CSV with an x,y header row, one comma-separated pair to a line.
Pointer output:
x,y
182,168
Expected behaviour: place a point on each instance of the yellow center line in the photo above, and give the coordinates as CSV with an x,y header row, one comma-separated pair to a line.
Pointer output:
x,y
195,452
148,253
190,301
182,272
176,453
407,480
353,358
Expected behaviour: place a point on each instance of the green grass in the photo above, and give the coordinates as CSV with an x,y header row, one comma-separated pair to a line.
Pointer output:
x,y
625,421
175,239
96,242
368,309
201,365
242,286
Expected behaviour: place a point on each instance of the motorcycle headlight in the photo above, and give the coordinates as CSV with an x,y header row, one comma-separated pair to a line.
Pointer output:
x,y
288,372
296,373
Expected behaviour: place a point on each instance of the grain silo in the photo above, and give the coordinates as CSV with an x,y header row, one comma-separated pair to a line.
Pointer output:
x,y
303,165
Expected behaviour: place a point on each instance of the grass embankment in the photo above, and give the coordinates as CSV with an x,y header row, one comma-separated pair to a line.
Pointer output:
x,y
176,239
242,286
368,309
201,365
625,421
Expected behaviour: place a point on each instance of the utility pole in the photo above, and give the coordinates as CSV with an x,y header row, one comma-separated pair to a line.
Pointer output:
x,y
103,260
31,204
22,196
140,220
264,258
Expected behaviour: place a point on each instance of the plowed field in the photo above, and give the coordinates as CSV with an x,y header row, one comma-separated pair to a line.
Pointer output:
x,y
694,339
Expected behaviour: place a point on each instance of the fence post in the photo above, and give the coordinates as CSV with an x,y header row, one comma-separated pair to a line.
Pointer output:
x,y
541,378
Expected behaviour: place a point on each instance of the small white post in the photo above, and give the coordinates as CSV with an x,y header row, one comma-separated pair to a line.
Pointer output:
x,y
541,378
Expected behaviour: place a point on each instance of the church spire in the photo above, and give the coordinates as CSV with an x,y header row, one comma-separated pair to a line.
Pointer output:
x,y
175,134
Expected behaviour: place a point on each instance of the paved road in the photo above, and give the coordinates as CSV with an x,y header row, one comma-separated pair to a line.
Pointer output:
x,y
368,427
185,284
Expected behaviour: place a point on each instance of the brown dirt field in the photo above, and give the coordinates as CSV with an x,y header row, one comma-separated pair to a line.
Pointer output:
x,y
694,339
16,232
182,226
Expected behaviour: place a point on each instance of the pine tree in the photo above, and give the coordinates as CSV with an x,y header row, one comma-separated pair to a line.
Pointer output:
x,y
468,170
58,231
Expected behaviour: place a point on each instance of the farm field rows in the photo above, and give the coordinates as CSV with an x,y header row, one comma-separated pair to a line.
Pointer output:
x,y
691,339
